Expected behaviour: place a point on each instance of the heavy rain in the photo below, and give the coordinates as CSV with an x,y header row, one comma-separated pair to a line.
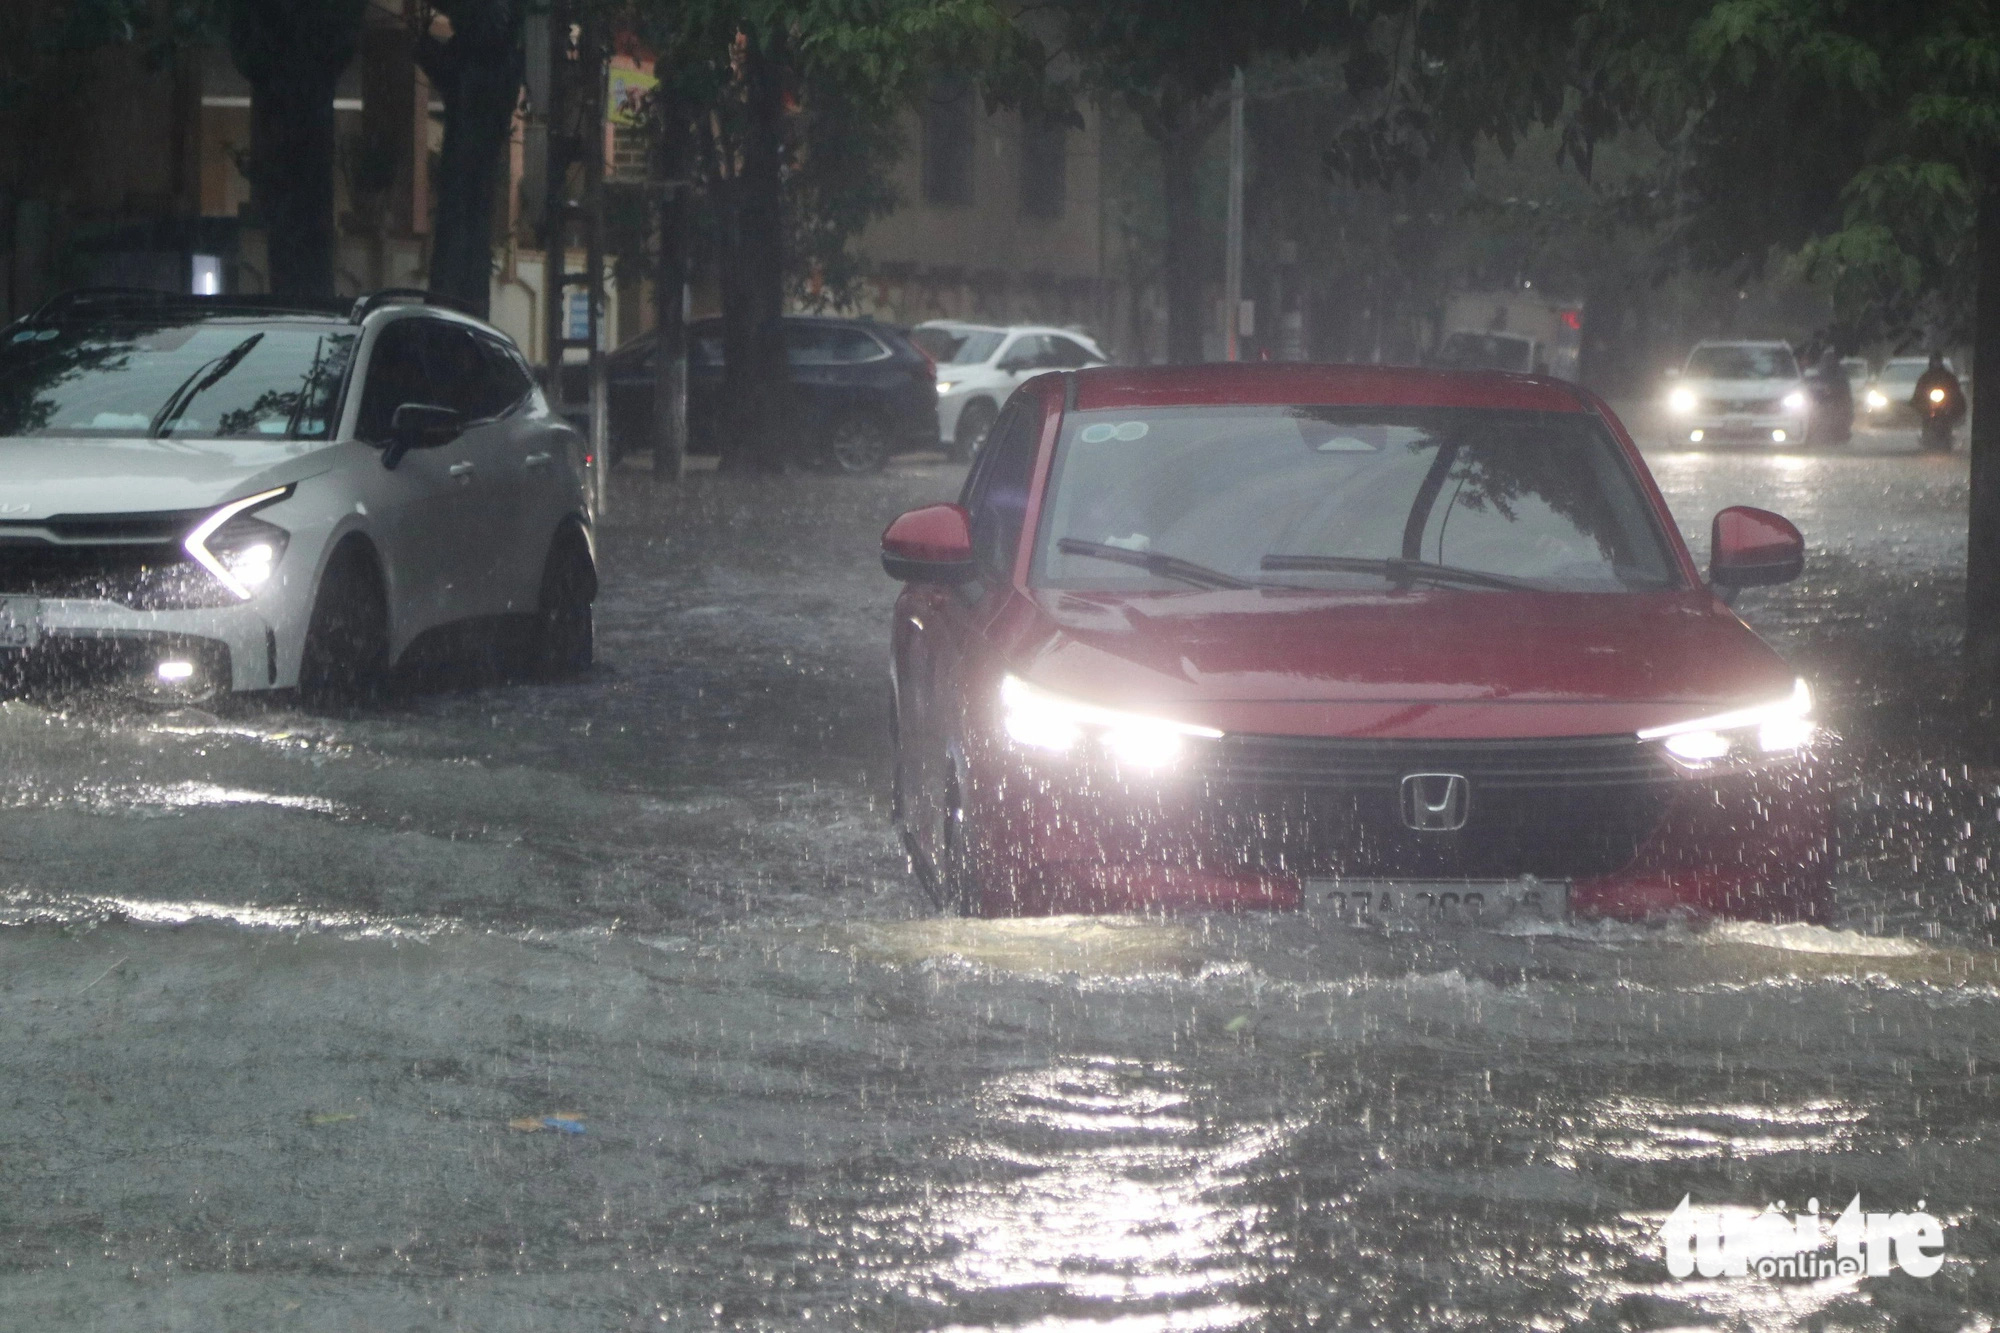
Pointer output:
x,y
607,997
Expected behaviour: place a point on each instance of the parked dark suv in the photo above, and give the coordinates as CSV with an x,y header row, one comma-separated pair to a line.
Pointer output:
x,y
861,392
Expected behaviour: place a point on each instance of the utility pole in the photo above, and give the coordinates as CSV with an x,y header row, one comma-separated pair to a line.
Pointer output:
x,y
573,218
1232,281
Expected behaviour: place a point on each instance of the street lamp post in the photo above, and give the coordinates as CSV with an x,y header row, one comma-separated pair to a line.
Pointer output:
x,y
1232,282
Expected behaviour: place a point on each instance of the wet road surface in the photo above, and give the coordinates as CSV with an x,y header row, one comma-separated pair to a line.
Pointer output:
x,y
305,1015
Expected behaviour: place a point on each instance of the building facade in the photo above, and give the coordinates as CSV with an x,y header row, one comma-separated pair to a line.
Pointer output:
x,y
127,171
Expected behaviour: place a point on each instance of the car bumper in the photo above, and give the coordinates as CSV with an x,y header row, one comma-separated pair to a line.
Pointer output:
x,y
949,406
231,647
1050,838
1744,429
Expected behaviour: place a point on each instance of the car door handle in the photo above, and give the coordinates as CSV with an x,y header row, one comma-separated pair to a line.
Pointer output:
x,y
460,470
538,460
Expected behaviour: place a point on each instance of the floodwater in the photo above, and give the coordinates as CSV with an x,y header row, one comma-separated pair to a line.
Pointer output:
x,y
610,1005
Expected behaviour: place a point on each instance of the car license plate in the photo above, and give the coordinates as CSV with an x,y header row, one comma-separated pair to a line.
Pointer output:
x,y
1441,902
20,622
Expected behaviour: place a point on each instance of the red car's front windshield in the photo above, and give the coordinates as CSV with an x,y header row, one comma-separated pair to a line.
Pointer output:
x,y
1346,497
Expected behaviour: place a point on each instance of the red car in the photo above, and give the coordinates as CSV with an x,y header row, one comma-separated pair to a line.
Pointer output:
x,y
1366,640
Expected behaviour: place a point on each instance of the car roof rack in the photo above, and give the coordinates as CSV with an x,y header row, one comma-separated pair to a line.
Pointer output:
x,y
84,302
373,301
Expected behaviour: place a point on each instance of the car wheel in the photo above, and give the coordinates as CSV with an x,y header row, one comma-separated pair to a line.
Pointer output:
x,y
565,635
974,422
857,445
346,652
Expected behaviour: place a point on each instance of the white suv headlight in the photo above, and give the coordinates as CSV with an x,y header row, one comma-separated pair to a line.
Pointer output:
x,y
1795,401
1741,738
1681,400
241,551
1039,720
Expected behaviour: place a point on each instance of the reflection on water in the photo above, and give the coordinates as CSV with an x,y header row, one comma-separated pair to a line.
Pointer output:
x,y
1100,1180
1648,1129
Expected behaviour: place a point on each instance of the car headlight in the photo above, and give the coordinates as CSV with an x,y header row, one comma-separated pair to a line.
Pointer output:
x,y
1741,738
946,386
240,550
1681,400
1795,401
1039,720
1877,400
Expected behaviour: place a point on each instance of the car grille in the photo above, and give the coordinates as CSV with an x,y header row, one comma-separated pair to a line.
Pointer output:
x,y
1558,809
1756,407
136,560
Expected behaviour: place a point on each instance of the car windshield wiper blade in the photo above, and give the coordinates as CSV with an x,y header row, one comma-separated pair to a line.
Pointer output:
x,y
206,376
1400,571
1154,562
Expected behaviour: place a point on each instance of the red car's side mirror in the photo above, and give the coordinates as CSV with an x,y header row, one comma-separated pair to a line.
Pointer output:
x,y
1749,548
929,545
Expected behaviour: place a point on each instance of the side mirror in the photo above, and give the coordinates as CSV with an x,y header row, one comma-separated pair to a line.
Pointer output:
x,y
930,545
420,426
1750,548
1014,365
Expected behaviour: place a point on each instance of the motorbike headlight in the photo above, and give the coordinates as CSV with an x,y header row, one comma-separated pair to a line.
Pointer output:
x,y
240,550
1742,738
1937,395
1681,400
1038,720
1877,400
1795,401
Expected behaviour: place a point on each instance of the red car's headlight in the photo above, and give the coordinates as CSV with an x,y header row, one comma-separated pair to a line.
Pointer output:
x,y
1038,720
1742,738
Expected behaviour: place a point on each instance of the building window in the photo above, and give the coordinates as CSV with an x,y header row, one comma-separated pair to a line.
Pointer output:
x,y
948,141
1044,166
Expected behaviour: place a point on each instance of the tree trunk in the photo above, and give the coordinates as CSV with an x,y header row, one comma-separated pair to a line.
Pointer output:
x,y
292,52
1187,321
477,75
670,277
291,173
756,373
1982,546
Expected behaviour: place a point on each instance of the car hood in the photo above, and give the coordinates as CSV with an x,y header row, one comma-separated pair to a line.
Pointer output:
x,y
44,476
1750,389
1425,662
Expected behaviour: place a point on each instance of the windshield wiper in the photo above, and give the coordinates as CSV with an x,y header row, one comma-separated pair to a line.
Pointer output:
x,y
1399,571
1154,562
206,376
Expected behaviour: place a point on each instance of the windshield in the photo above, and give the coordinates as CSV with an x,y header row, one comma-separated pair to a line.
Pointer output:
x,y
957,347
1486,351
1743,362
1345,497
1906,370
210,379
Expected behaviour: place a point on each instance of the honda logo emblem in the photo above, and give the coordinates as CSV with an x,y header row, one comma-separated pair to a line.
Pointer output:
x,y
1436,802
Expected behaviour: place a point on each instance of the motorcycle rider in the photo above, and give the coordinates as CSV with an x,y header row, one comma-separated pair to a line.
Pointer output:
x,y
1832,399
1940,416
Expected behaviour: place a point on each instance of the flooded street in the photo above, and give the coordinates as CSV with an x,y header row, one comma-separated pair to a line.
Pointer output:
x,y
611,1005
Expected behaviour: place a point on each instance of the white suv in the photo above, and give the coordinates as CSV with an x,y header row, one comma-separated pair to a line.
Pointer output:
x,y
222,494
1741,392
980,364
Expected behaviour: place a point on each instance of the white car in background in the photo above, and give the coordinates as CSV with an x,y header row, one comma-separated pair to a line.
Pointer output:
x,y
1887,399
1742,393
978,365
237,494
